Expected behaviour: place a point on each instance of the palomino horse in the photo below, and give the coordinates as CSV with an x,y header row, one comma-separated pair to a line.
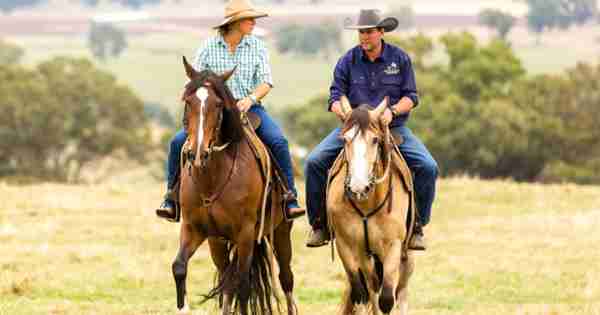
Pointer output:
x,y
368,206
221,196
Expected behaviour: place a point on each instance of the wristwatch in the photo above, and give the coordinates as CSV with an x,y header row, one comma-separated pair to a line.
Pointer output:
x,y
253,98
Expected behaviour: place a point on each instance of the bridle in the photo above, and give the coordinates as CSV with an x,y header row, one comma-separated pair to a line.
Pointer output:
x,y
373,179
212,144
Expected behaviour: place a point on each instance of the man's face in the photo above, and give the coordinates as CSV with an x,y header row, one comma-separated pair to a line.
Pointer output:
x,y
370,38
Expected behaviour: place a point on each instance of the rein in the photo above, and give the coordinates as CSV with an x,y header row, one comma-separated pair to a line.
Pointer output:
x,y
365,217
359,211
207,202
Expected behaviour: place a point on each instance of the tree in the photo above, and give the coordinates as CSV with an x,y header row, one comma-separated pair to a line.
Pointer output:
x,y
9,53
418,47
309,40
310,122
106,40
496,19
64,114
549,14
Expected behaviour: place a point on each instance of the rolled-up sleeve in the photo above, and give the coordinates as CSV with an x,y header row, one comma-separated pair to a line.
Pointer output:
x,y
340,84
263,73
409,87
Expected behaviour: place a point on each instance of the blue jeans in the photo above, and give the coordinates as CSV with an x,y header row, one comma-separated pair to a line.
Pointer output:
x,y
419,160
270,134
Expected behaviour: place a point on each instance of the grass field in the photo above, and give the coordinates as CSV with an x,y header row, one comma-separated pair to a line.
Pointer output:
x,y
496,247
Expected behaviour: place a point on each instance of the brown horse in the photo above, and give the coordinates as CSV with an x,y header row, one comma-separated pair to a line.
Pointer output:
x,y
221,196
368,207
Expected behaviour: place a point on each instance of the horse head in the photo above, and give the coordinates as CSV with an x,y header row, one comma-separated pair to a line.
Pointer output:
x,y
213,120
365,138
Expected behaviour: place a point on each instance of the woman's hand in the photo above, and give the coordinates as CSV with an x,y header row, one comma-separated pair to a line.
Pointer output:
x,y
244,104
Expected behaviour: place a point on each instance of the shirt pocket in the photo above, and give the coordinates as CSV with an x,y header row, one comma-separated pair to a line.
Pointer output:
x,y
392,85
247,68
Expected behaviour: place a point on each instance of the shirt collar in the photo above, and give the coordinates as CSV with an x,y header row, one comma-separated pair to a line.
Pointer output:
x,y
244,42
384,53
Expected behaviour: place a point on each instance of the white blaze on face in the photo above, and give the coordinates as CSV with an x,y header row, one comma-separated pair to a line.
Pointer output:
x,y
359,168
202,94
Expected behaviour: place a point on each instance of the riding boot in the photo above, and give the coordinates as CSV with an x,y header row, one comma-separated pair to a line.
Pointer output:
x,y
292,209
169,209
417,241
318,237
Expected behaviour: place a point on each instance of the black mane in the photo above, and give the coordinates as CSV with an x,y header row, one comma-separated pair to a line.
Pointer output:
x,y
231,126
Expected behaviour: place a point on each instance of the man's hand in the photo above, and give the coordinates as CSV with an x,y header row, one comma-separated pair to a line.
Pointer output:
x,y
403,106
336,108
244,104
387,116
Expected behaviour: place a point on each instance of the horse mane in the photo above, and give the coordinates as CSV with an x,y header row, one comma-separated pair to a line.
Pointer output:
x,y
360,117
231,126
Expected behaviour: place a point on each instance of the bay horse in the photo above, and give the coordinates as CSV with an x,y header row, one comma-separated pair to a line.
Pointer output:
x,y
221,194
368,205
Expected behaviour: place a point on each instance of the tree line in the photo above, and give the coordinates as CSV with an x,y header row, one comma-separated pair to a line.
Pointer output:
x,y
63,114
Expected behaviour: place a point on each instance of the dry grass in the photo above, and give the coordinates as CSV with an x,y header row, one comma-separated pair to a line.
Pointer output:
x,y
496,248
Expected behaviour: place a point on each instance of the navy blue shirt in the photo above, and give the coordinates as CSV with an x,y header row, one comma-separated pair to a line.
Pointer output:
x,y
366,82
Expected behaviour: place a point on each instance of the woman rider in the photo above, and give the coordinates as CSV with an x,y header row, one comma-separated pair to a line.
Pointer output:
x,y
235,46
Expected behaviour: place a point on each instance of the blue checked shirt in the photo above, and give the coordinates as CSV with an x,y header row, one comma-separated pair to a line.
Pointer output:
x,y
251,58
366,82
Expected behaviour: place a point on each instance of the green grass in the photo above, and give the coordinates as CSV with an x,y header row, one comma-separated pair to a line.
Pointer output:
x,y
496,247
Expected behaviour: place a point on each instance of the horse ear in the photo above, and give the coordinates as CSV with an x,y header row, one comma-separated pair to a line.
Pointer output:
x,y
378,111
189,70
225,76
346,107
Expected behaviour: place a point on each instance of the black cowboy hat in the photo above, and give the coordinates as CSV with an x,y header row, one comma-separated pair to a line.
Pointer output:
x,y
370,19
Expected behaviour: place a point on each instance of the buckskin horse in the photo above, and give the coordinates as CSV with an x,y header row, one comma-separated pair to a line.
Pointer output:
x,y
368,205
221,194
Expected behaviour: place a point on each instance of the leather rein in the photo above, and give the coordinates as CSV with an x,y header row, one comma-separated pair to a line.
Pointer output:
x,y
373,181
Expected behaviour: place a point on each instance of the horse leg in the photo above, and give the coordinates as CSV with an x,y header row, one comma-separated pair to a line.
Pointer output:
x,y
283,252
358,292
391,272
245,252
406,269
220,256
189,240
373,285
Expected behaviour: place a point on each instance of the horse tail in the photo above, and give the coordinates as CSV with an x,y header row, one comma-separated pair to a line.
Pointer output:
x,y
262,298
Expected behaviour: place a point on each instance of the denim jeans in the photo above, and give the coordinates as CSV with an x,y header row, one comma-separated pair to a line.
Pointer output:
x,y
270,134
424,169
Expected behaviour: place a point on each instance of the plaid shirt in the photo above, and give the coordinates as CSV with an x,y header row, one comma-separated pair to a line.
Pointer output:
x,y
251,58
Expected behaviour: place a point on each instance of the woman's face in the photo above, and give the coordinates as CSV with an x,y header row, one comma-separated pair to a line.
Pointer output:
x,y
246,26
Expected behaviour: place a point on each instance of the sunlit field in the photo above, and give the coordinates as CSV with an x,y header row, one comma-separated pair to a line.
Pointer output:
x,y
496,247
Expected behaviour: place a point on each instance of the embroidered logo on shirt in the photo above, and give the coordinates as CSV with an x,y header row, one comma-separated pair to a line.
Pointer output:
x,y
392,69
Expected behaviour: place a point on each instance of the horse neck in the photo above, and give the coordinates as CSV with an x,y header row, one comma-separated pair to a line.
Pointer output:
x,y
221,168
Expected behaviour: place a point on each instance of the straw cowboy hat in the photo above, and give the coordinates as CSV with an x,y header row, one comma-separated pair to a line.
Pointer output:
x,y
371,19
240,9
